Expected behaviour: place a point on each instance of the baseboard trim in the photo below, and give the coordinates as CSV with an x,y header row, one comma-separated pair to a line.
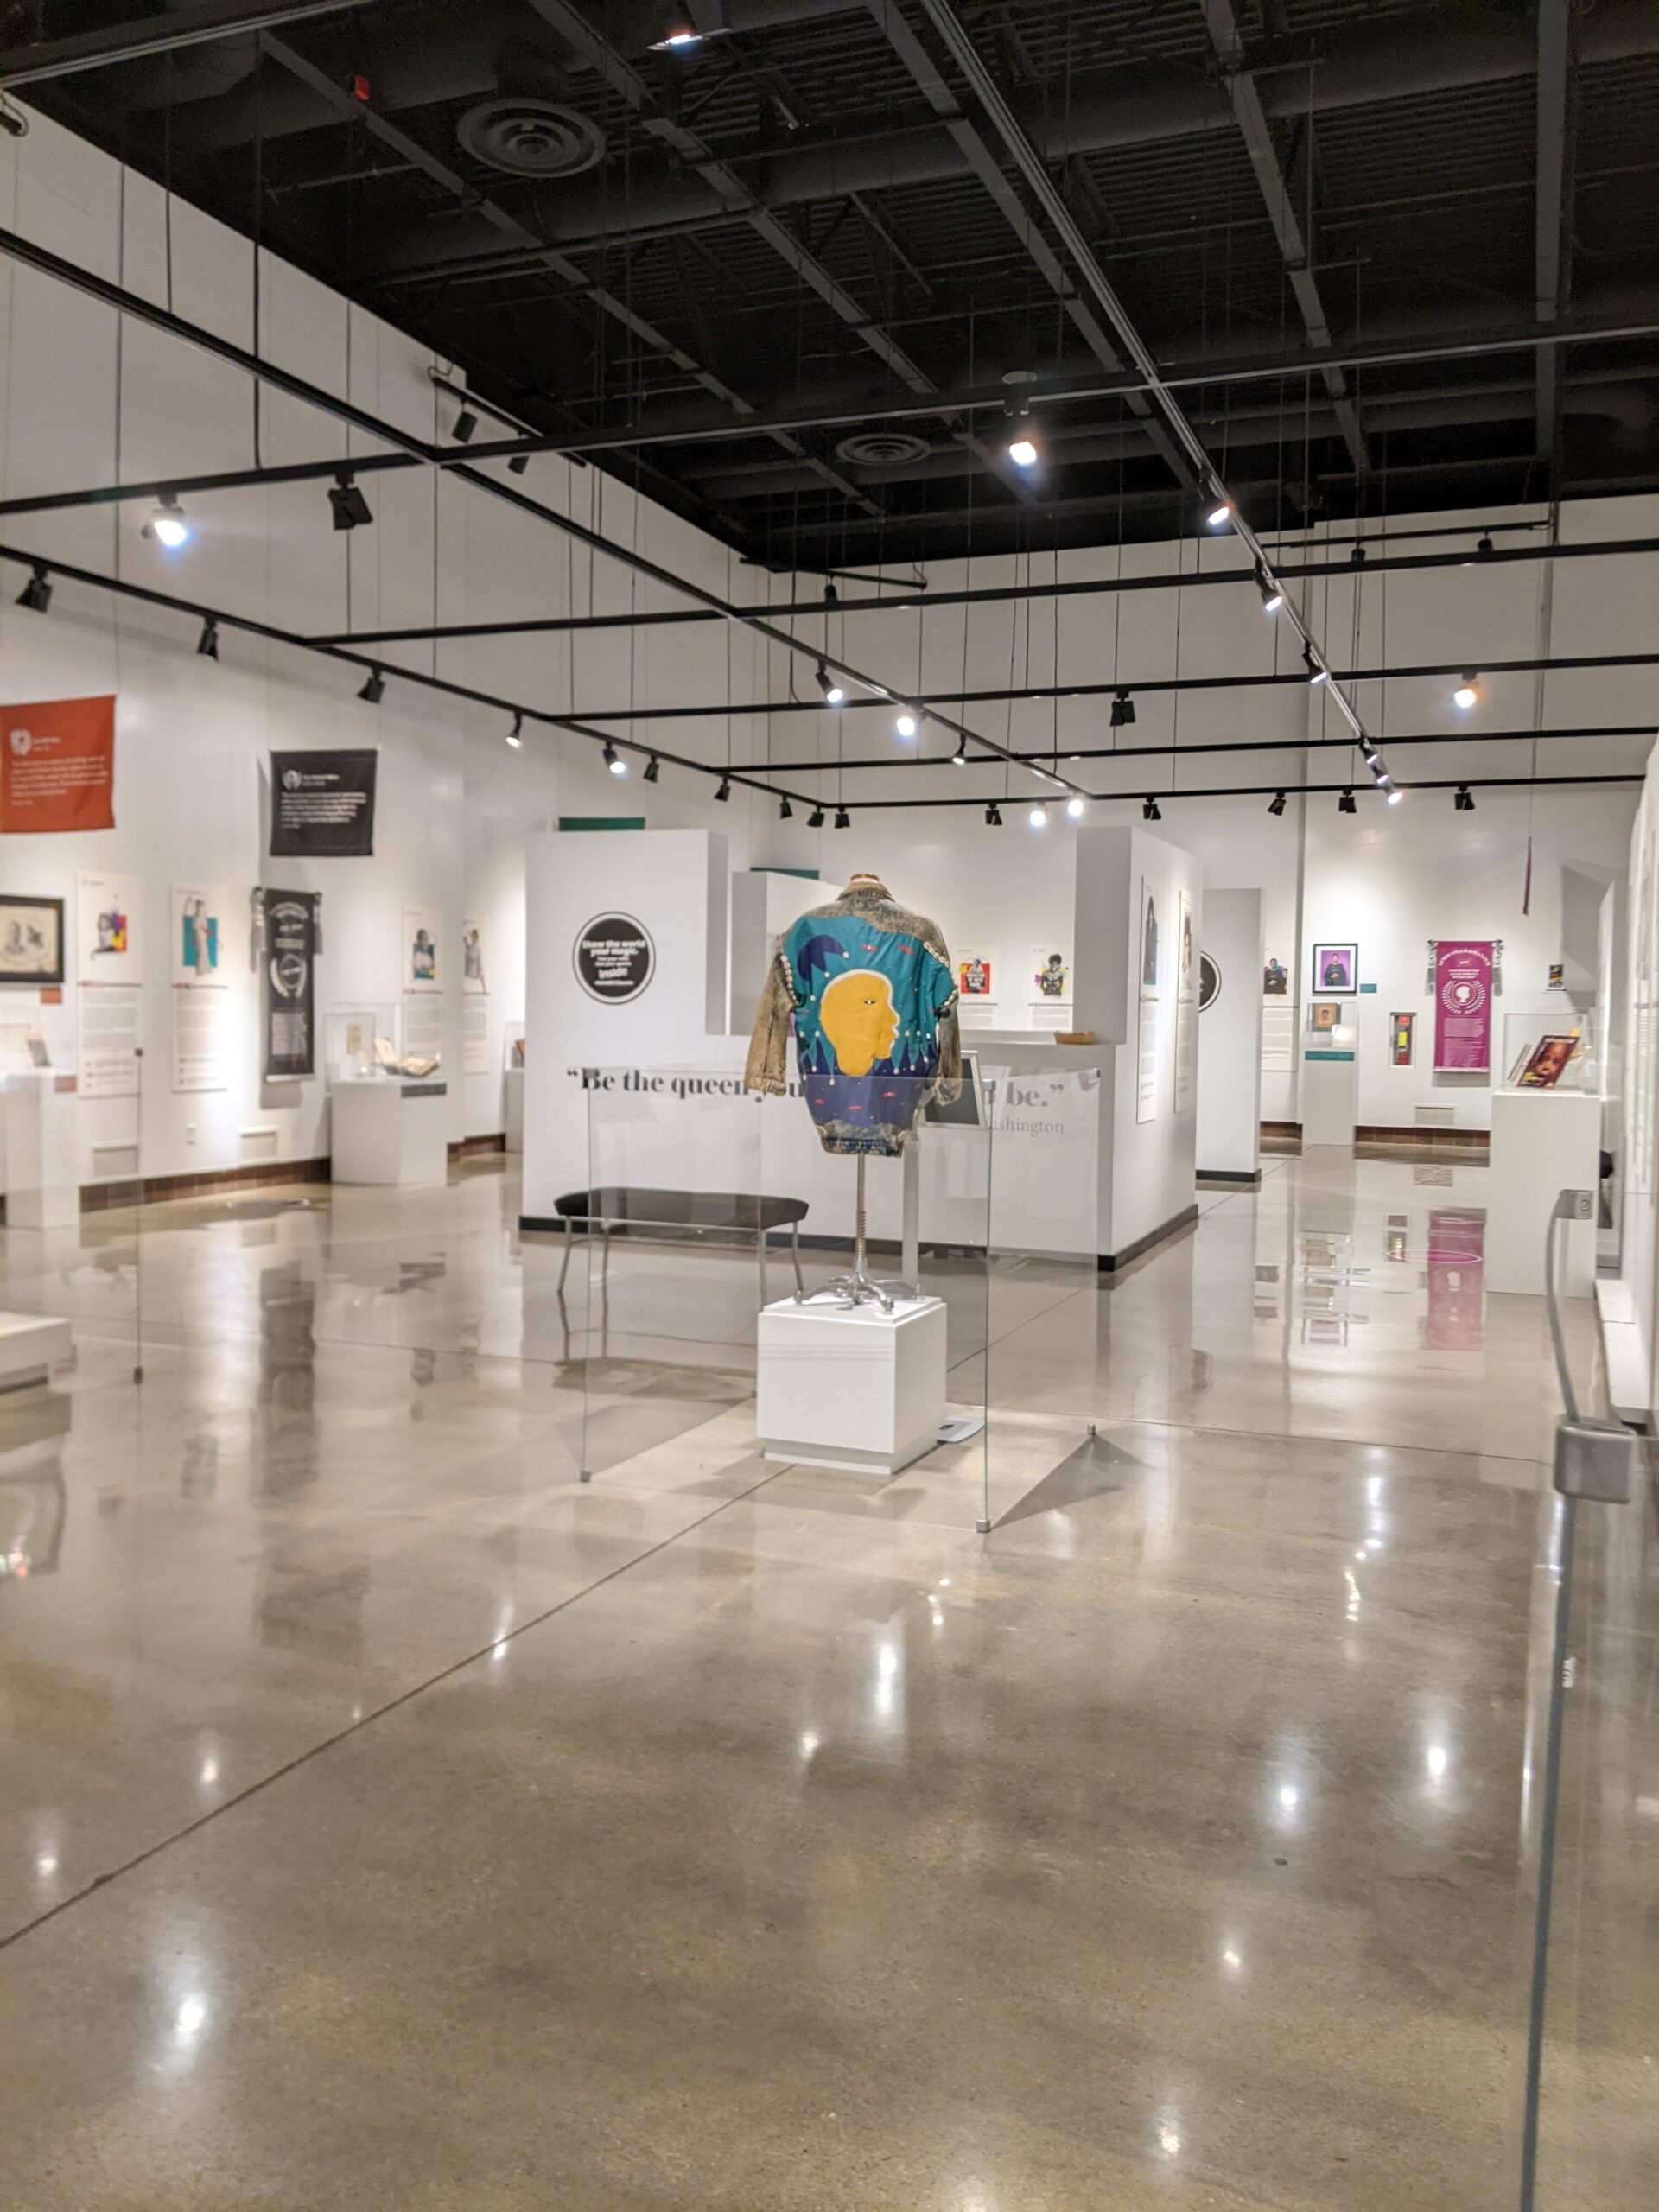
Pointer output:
x,y
1241,1175
157,1189
472,1147
1109,1263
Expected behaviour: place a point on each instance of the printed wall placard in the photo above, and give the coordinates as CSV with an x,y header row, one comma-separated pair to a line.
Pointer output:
x,y
290,984
323,804
109,1016
57,765
423,955
475,977
1186,993
1462,1005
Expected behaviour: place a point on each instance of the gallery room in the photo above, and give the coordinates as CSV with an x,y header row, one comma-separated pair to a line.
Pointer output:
x,y
829,1104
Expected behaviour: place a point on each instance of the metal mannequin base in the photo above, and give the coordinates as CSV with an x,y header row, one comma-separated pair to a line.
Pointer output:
x,y
859,1286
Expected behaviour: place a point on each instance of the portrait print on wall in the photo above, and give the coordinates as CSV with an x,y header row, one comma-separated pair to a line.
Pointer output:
x,y
31,940
1336,968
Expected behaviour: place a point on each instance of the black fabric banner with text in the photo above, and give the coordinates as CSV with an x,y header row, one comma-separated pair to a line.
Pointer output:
x,y
291,982
323,804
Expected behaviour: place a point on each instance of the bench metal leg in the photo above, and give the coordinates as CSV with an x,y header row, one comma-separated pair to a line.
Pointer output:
x,y
569,1237
760,1257
795,1255
605,1263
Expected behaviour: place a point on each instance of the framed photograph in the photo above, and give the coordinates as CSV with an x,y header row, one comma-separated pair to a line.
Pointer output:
x,y
1401,1031
1335,968
31,940
1276,978
1547,1062
974,974
1325,1014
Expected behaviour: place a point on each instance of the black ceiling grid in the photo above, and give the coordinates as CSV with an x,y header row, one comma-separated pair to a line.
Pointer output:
x,y
493,193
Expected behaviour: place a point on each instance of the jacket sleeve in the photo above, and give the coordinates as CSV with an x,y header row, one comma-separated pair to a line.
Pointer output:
x,y
947,1087
769,1046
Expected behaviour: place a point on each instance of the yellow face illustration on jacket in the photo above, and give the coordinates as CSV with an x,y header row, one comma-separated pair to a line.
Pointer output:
x,y
858,1017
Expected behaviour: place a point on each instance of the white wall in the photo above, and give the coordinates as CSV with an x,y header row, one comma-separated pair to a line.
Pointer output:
x,y
1230,1032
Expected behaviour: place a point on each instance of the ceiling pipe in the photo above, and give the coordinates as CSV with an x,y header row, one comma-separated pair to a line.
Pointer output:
x,y
1136,104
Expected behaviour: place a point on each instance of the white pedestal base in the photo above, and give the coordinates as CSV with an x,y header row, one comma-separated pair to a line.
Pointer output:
x,y
1329,1094
515,1110
28,1344
851,1388
1543,1142
42,1184
387,1129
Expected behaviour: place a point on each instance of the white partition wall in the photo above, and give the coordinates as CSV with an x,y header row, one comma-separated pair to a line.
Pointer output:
x,y
1629,1303
1229,1038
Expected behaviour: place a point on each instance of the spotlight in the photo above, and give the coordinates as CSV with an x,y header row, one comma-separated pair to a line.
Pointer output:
x,y
207,642
1346,805
518,464
653,769
614,760
1023,453
959,757
1384,780
1467,694
1359,557
1317,673
466,426
1077,807
1464,801
1276,804
1038,817
1394,794
1272,598
785,811
1149,810
36,593
843,820
1484,546
1122,711
814,820
516,735
166,524
992,815
905,726
1219,516
834,692
375,689
352,510
725,790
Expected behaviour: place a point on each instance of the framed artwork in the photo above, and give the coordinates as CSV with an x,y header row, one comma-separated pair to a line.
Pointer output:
x,y
1335,968
31,939
1547,1062
1401,1029
974,974
1148,941
1325,1015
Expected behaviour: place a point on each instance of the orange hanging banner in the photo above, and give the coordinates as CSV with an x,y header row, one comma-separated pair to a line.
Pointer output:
x,y
57,765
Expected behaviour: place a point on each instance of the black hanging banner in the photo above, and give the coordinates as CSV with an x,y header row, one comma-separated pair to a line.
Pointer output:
x,y
323,804
291,945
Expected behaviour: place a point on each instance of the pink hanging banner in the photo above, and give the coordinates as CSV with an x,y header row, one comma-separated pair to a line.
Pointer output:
x,y
1462,1005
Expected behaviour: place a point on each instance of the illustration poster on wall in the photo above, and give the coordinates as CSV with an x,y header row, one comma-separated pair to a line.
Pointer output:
x,y
31,939
1148,941
974,974
1276,978
57,765
1335,968
199,950
1051,974
1557,976
323,804
290,985
1462,1005
422,960
1187,989
474,979
1146,1086
1402,1032
107,928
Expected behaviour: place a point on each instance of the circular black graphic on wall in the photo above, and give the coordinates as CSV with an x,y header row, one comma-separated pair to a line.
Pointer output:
x,y
615,958
1209,982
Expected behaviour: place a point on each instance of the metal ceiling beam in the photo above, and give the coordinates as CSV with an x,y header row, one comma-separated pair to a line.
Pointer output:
x,y
183,27
1166,795
984,164
1557,44
1294,245
606,302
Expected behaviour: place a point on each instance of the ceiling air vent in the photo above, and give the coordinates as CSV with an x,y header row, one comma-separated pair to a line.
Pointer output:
x,y
523,135
883,448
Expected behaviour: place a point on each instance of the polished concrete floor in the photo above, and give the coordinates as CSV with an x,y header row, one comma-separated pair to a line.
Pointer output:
x,y
394,1819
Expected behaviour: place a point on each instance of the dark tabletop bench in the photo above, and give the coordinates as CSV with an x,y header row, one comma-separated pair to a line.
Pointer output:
x,y
627,1205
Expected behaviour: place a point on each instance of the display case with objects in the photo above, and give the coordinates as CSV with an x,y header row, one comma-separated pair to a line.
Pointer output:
x,y
1556,1050
353,1035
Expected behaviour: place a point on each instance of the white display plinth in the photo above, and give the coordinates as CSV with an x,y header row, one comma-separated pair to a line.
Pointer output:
x,y
515,1110
851,1388
1543,1142
387,1130
42,1186
28,1344
1330,1095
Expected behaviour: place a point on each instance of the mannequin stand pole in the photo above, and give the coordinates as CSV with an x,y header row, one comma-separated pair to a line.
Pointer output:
x,y
861,1288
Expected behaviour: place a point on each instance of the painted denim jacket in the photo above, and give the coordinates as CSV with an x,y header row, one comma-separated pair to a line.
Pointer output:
x,y
873,997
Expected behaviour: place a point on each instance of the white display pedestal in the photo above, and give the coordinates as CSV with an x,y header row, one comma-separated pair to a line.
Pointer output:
x,y
42,1186
28,1344
515,1110
851,1388
387,1130
1543,1142
1330,1095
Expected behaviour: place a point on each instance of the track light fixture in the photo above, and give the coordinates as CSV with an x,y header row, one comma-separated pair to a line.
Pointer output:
x,y
1316,671
375,689
352,510
1276,804
1484,544
843,820
516,735
1077,806
466,426
653,769
1392,793
725,790
207,642
1272,598
166,524
785,811
518,464
1220,514
992,815
835,693
959,757
814,820
1122,711
614,760
1023,449
1467,694
1149,810
1038,817
1347,803
1464,800
905,726
36,593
